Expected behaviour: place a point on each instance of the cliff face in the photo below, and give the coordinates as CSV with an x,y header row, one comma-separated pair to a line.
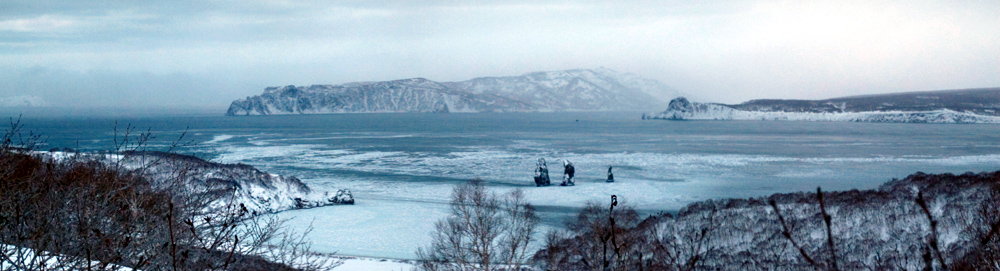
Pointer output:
x,y
955,106
410,95
573,90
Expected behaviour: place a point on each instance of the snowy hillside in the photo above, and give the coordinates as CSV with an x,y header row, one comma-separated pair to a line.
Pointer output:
x,y
226,184
871,228
682,109
883,229
571,90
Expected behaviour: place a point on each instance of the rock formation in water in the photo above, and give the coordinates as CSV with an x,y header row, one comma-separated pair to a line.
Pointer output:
x,y
570,90
949,106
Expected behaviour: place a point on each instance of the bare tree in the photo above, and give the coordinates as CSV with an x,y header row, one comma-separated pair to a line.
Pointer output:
x,y
484,231
519,226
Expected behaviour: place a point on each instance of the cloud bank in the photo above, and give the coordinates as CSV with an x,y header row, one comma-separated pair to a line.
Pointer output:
x,y
207,53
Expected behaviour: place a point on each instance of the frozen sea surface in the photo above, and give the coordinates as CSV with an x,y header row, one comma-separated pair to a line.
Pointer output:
x,y
402,167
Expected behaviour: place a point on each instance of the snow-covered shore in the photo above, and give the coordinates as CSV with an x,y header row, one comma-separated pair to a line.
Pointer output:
x,y
682,109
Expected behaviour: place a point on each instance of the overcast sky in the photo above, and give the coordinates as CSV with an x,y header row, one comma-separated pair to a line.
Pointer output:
x,y
208,53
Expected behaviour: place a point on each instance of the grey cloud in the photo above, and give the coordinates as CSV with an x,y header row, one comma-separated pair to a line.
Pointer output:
x,y
116,89
726,51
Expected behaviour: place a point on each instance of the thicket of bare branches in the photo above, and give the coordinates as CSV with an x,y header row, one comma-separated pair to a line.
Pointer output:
x,y
81,213
610,238
484,231
585,244
925,222
985,229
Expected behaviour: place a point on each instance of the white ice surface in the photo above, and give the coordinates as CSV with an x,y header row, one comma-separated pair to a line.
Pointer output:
x,y
392,218
368,264
376,228
219,138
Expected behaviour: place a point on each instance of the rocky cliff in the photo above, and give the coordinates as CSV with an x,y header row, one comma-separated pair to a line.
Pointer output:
x,y
571,90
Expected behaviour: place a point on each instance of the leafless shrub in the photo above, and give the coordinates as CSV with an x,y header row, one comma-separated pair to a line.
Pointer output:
x,y
847,230
682,248
601,238
985,229
484,231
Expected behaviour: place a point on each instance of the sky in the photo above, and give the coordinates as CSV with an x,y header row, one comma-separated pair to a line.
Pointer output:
x,y
209,53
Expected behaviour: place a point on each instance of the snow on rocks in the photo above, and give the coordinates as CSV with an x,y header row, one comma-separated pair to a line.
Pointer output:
x,y
260,192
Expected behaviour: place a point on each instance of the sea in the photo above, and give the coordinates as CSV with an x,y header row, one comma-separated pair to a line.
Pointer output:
x,y
401,168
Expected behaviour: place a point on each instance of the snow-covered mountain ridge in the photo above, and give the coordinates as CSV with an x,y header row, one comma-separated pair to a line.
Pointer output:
x,y
571,90
225,184
953,106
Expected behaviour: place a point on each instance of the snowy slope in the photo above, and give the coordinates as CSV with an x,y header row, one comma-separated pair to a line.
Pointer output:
x,y
225,184
682,109
657,89
571,90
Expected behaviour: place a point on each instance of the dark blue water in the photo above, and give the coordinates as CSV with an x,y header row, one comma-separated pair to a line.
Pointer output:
x,y
570,132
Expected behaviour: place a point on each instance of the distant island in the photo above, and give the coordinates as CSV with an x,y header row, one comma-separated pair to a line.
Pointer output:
x,y
943,106
570,90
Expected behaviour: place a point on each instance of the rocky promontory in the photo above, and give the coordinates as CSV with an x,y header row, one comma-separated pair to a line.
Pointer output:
x,y
222,184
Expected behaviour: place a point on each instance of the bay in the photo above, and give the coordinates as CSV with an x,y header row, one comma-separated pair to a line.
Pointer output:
x,y
401,167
